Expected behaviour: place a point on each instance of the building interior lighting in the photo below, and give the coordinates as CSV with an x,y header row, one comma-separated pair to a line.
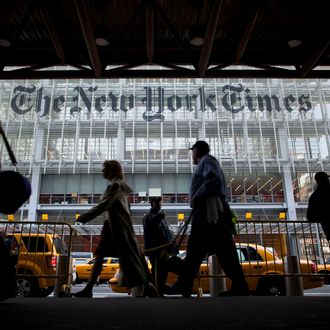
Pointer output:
x,y
44,217
248,215
239,186
281,215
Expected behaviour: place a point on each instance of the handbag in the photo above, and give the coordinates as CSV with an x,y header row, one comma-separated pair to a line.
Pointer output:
x,y
175,264
15,188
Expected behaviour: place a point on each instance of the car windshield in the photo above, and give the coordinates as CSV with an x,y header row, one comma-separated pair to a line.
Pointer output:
x,y
80,261
86,255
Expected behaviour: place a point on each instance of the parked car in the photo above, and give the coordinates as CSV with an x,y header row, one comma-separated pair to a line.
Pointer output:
x,y
324,269
109,268
36,262
262,267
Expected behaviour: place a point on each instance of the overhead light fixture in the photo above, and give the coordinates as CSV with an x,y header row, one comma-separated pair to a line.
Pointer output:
x,y
101,42
294,43
101,37
196,35
4,42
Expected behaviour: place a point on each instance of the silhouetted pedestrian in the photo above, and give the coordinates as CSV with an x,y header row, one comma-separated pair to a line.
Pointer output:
x,y
211,227
117,236
7,269
319,203
158,243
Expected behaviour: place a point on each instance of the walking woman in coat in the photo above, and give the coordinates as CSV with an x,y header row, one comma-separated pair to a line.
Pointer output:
x,y
117,236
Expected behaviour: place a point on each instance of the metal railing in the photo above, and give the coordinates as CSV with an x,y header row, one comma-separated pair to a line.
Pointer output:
x,y
41,252
279,257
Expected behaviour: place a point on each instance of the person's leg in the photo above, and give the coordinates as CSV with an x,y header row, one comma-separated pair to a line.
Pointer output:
x,y
102,250
96,270
225,249
161,271
196,252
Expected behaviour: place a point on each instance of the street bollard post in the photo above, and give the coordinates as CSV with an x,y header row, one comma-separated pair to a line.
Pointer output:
x,y
62,276
218,282
293,280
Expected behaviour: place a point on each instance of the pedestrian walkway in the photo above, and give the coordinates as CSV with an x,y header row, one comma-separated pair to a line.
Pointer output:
x,y
167,313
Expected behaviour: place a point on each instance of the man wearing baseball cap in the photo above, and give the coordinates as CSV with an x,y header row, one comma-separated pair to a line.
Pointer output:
x,y
319,203
210,224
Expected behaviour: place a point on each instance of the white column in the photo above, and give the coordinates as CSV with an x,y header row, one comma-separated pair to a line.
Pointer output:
x,y
120,141
288,193
287,178
36,175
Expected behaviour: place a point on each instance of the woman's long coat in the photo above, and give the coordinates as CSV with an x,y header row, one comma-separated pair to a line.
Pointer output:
x,y
123,240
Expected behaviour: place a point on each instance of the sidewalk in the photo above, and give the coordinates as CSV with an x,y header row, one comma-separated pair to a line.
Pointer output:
x,y
167,313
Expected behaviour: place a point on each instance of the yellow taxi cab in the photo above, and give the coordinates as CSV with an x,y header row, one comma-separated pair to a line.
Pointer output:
x,y
109,268
263,271
37,256
74,263
324,269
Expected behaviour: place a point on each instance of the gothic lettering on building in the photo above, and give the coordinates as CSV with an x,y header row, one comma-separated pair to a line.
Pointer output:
x,y
154,101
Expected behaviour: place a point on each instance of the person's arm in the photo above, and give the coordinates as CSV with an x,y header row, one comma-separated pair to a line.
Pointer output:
x,y
311,210
102,206
154,219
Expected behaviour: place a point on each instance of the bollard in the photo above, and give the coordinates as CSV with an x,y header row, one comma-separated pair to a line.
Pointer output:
x,y
62,279
217,284
293,282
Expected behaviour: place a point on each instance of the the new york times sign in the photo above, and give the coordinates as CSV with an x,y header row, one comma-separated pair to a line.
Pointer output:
x,y
234,99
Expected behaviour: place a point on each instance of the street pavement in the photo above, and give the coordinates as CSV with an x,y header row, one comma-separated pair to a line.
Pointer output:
x,y
167,313
121,311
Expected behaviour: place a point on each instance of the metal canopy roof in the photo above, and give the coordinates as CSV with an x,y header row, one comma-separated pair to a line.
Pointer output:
x,y
256,38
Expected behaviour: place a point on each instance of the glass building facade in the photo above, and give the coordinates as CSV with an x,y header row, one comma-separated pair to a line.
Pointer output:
x,y
270,136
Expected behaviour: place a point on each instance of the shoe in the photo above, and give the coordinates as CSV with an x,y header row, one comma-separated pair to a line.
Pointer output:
x,y
144,291
165,289
137,291
82,294
177,289
150,290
